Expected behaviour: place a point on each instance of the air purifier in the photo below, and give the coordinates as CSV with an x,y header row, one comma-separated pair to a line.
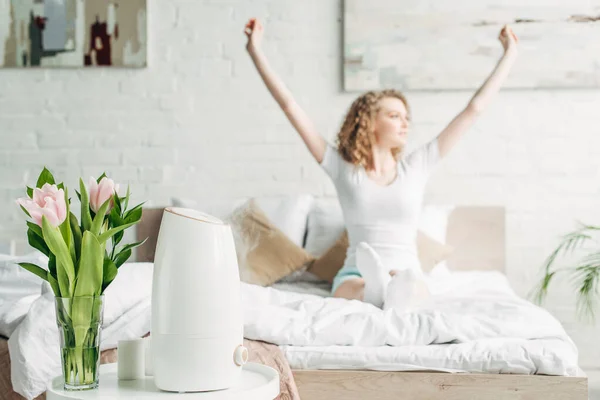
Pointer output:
x,y
197,326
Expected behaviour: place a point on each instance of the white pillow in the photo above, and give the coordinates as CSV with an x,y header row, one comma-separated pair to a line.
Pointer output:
x,y
18,289
325,225
433,221
287,213
132,285
12,313
15,281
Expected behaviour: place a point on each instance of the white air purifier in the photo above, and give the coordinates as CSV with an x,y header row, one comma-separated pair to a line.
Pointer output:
x,y
197,327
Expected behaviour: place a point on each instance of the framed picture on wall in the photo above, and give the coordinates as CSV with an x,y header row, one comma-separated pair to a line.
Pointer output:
x,y
451,45
73,33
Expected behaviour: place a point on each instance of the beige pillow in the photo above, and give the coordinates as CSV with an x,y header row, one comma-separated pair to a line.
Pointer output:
x,y
430,253
265,254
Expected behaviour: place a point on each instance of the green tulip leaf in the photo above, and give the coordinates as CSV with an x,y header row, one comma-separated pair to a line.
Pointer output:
x,y
34,269
99,218
65,268
45,177
110,273
89,277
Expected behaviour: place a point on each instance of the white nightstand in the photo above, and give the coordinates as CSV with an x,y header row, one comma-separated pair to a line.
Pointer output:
x,y
258,382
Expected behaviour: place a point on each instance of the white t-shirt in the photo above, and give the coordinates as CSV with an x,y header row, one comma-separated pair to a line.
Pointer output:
x,y
385,217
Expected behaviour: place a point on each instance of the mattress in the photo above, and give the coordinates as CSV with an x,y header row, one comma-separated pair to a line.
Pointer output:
x,y
495,356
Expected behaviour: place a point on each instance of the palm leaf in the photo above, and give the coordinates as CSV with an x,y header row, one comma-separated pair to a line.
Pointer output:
x,y
587,290
541,289
569,243
586,278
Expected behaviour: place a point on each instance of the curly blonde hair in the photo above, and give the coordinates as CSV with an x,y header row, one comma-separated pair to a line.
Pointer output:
x,y
356,136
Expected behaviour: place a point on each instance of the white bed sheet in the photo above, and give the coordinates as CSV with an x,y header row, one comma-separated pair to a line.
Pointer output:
x,y
495,356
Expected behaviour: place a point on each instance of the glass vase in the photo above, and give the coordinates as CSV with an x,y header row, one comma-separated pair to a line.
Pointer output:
x,y
79,321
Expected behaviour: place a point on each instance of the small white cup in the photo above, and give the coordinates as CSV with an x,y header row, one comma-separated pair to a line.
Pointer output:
x,y
131,362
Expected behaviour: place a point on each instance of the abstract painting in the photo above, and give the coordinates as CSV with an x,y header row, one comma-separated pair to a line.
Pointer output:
x,y
453,45
73,33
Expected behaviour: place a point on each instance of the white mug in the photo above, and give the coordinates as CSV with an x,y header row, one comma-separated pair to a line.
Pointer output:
x,y
131,359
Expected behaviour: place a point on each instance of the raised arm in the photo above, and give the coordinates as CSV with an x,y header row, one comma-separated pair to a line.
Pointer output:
x,y
480,100
295,114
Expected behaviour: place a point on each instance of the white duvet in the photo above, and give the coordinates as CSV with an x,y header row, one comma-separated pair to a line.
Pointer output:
x,y
477,324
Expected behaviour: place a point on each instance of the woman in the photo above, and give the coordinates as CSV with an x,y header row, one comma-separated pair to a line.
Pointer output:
x,y
379,191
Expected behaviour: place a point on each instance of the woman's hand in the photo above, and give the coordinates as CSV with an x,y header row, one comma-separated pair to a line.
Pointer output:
x,y
254,31
508,39
448,138
299,119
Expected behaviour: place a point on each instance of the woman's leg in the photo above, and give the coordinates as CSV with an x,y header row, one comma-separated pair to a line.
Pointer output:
x,y
375,274
407,291
351,289
348,283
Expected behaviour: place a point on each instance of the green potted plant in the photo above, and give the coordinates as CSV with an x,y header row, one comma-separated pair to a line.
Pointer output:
x,y
585,274
84,257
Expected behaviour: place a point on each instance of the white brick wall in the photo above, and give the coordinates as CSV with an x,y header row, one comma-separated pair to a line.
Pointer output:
x,y
199,123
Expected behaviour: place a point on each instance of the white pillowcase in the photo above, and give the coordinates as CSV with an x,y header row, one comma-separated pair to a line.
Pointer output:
x,y
325,226
12,313
15,281
433,221
287,213
18,289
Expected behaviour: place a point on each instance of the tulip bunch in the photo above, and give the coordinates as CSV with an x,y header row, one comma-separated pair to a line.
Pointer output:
x,y
79,261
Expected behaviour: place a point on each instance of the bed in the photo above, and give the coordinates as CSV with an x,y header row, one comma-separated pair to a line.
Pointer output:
x,y
478,237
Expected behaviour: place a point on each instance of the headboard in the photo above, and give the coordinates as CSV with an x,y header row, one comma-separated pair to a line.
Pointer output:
x,y
148,228
477,234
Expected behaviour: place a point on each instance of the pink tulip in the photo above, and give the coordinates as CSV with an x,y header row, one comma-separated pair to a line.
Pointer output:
x,y
48,201
100,192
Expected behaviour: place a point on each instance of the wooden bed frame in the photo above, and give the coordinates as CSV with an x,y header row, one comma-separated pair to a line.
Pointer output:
x,y
478,237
